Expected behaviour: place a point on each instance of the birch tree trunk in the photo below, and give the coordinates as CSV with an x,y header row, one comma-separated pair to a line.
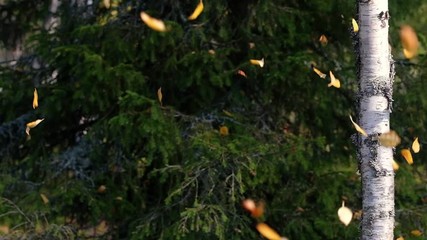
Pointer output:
x,y
376,72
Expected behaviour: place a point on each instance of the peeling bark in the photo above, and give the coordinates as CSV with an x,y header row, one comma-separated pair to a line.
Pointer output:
x,y
376,73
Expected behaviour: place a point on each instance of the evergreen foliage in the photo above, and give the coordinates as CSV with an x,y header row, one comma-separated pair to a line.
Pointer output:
x,y
167,170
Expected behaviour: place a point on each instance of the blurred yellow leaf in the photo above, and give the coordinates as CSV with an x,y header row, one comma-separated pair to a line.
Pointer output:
x,y
389,139
249,205
267,232
35,99
400,238
358,128
101,189
44,198
334,81
153,23
395,165
227,113
160,95
318,72
32,125
407,155
241,73
223,131
4,229
416,232
197,11
355,25
257,62
96,231
106,4
345,214
416,146
409,40
323,40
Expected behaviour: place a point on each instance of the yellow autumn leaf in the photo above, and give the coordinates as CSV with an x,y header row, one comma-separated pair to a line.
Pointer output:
x,y
416,146
323,40
95,231
106,4
249,205
416,232
257,62
267,232
227,113
334,81
223,131
160,95
407,155
400,238
35,99
242,73
318,72
389,139
4,229
395,165
197,11
32,125
358,128
355,25
153,23
345,214
409,40
44,198
101,189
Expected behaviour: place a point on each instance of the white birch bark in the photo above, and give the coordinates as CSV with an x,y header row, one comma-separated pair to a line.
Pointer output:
x,y
376,72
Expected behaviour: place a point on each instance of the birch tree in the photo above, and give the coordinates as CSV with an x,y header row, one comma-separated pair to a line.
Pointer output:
x,y
376,72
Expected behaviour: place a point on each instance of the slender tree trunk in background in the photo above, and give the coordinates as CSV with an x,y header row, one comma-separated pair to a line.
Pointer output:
x,y
376,72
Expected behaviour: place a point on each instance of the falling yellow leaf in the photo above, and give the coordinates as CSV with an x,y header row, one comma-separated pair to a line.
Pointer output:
x,y
44,198
400,238
334,81
223,131
407,155
389,139
160,95
251,45
101,189
323,40
197,11
227,113
96,231
318,72
267,232
257,62
358,128
395,165
409,40
345,214
106,4
241,73
355,25
249,205
35,99
32,125
416,232
153,23
259,210
416,146
211,52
